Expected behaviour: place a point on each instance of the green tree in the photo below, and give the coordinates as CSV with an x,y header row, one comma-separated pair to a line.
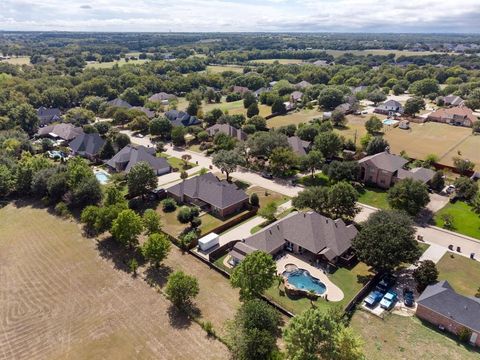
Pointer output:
x,y
141,179
193,107
314,197
254,200
342,171
223,141
376,96
465,188
425,274
181,288
329,144
228,161
7,180
282,161
253,110
126,228
156,248
249,99
413,106
330,97
278,107
178,136
269,211
408,195
373,125
377,145
318,334
108,150
161,127
424,87
151,221
438,181
25,116
338,118
386,240
262,143
342,200
463,165
258,121
312,161
254,275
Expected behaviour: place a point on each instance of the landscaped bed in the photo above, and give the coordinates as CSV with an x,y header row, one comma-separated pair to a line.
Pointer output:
x,y
461,272
465,220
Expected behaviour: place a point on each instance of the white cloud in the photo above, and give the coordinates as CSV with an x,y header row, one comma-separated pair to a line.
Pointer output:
x,y
238,15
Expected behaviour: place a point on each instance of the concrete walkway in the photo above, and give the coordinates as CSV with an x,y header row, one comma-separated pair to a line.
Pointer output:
x,y
240,232
434,253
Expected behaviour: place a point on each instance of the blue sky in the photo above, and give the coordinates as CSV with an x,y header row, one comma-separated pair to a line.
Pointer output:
x,y
246,15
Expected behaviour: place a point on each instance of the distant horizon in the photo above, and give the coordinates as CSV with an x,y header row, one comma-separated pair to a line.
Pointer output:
x,y
243,16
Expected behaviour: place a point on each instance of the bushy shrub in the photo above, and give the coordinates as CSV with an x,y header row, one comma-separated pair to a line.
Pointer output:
x,y
61,209
169,205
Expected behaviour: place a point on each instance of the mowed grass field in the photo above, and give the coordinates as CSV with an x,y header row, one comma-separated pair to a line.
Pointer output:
x,y
400,337
61,297
235,107
294,117
217,69
280,61
21,60
462,273
121,62
398,53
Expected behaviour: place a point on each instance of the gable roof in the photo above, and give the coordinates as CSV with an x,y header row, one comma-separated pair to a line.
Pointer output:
x,y
422,174
302,84
228,130
87,144
150,114
161,96
240,89
209,189
62,131
181,118
130,155
385,161
457,113
296,95
452,100
310,230
391,104
443,299
298,145
119,103
48,114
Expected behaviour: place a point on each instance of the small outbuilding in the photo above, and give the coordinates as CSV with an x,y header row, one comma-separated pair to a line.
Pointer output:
x,y
208,241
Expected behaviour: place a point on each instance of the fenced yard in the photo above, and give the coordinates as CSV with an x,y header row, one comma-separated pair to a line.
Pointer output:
x,y
66,296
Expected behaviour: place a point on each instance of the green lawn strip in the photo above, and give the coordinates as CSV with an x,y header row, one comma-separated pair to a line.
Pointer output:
x,y
267,196
209,223
318,180
423,247
349,281
374,197
176,162
219,263
461,272
403,337
465,220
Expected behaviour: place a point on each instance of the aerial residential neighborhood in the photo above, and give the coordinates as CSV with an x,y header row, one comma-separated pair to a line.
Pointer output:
x,y
239,180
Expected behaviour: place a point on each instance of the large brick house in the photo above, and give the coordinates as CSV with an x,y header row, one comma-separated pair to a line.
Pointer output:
x,y
301,232
211,194
458,115
441,306
385,169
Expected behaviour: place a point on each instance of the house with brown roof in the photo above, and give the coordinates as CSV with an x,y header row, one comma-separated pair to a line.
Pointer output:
x,y
385,169
458,115
301,232
441,306
62,131
227,129
162,97
240,89
211,194
299,146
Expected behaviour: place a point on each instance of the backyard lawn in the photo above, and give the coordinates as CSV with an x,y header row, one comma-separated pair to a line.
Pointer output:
x,y
461,272
210,222
176,162
267,196
170,224
349,281
374,197
465,220
217,69
235,107
294,117
400,337
319,179
121,62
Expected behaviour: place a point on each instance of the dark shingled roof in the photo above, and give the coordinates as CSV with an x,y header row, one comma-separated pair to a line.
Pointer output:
x,y
422,174
240,250
161,96
119,103
150,114
87,144
209,189
391,105
228,130
385,161
298,145
181,118
62,131
48,115
310,230
443,299
130,155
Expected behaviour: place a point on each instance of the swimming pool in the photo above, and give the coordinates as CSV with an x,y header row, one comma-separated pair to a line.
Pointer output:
x,y
390,122
302,280
102,177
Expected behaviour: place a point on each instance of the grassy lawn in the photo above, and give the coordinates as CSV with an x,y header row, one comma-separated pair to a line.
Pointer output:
x,y
235,108
195,147
217,69
176,162
338,53
170,224
280,61
294,117
121,62
374,197
347,280
461,272
399,337
267,196
318,180
219,263
60,283
423,246
465,220
209,222
21,60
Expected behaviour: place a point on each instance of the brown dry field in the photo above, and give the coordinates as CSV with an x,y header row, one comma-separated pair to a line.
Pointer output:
x,y
65,296
294,117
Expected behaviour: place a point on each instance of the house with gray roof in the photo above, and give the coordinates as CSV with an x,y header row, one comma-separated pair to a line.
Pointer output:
x,y
227,129
131,155
453,100
390,108
296,97
211,194
149,113
87,145
302,85
385,169
301,232
181,118
119,103
47,116
442,306
299,146
162,97
64,132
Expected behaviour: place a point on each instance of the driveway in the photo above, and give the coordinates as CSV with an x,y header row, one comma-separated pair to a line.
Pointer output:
x,y
437,202
434,253
240,232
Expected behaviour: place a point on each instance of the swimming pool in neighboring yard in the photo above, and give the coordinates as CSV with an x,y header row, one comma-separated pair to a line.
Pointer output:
x,y
302,280
102,176
390,122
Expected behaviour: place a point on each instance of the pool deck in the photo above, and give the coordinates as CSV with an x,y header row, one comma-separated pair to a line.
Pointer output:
x,y
334,293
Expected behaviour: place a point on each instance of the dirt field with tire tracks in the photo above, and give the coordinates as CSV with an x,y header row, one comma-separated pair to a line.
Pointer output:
x,y
59,299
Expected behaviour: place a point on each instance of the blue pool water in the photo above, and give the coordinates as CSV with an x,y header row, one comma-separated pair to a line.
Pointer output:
x,y
302,280
390,122
102,177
